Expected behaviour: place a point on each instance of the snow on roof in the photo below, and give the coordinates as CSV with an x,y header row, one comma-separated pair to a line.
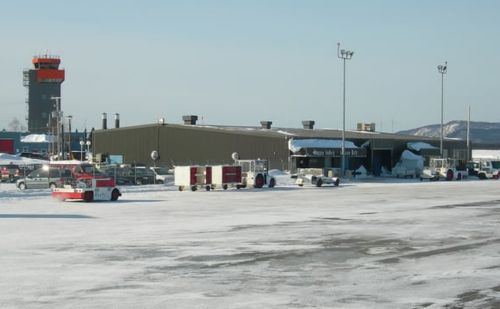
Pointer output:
x,y
37,138
13,159
417,146
408,155
486,154
296,145
284,132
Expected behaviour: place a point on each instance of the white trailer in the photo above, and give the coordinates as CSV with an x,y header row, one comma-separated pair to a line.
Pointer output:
x,y
193,177
224,176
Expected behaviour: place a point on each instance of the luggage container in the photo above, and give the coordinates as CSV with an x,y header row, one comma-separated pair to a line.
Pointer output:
x,y
224,176
193,177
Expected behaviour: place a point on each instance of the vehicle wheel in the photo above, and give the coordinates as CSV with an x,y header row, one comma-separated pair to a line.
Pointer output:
x,y
259,181
482,176
115,195
89,196
207,188
160,182
224,187
22,186
337,182
319,182
300,184
193,188
238,187
272,183
449,175
138,182
52,186
181,188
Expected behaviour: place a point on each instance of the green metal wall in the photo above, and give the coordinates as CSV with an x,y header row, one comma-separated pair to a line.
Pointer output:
x,y
183,145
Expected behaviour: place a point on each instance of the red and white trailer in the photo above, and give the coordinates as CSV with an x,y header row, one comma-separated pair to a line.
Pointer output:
x,y
88,190
226,175
193,177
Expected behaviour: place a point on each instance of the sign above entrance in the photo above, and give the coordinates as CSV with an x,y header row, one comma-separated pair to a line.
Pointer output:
x,y
334,152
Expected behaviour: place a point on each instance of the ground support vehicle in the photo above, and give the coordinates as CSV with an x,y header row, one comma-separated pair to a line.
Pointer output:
x,y
255,173
88,190
315,176
224,176
442,169
488,169
193,177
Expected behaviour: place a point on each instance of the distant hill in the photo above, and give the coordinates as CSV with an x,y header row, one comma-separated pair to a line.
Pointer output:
x,y
480,132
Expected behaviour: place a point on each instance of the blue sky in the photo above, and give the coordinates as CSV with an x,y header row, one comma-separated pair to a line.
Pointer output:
x,y
240,62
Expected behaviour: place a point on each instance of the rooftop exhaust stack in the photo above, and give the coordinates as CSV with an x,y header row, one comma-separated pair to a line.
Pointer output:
x,y
117,120
308,124
104,121
266,124
190,119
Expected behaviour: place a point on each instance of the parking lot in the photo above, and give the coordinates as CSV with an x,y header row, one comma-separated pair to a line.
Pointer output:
x,y
364,244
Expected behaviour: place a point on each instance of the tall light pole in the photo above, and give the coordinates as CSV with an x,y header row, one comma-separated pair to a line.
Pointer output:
x,y
88,150
69,117
442,70
58,117
344,55
468,136
81,149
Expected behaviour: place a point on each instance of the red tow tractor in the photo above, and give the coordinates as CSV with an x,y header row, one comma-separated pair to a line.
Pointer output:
x,y
81,181
88,190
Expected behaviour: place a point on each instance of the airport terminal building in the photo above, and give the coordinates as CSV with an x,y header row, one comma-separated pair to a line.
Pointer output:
x,y
285,148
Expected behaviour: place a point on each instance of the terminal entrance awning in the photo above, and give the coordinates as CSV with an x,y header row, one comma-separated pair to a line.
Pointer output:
x,y
324,148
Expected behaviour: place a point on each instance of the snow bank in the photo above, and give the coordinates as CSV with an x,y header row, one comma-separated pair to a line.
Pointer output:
x,y
296,145
409,164
14,159
408,155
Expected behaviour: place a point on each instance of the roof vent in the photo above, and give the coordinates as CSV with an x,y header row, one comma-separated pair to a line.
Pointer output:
x,y
190,119
368,127
104,121
308,124
266,124
117,120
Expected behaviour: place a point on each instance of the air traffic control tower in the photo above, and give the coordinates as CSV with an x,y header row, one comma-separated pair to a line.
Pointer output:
x,y
44,92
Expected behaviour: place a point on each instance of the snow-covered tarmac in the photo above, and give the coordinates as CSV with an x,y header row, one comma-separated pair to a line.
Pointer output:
x,y
378,244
